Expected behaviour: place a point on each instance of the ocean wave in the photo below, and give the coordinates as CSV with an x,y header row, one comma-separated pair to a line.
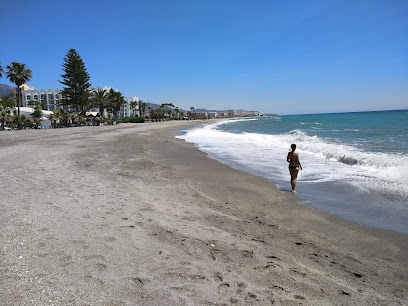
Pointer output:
x,y
236,120
324,159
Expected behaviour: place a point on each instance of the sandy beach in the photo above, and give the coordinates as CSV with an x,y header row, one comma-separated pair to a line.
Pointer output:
x,y
131,215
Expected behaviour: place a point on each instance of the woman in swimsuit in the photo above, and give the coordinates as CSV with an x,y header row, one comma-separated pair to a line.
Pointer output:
x,y
294,164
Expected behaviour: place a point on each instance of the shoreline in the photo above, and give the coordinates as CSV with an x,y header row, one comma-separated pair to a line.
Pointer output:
x,y
132,215
344,191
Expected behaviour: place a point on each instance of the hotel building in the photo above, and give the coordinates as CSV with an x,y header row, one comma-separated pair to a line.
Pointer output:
x,y
51,99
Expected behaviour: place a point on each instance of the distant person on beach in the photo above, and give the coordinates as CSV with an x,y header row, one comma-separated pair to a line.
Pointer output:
x,y
294,164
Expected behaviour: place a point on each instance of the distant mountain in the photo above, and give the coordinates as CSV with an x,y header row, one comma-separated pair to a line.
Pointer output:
x,y
202,110
199,110
5,89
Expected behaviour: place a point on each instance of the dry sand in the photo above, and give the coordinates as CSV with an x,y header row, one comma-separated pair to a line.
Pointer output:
x,y
130,215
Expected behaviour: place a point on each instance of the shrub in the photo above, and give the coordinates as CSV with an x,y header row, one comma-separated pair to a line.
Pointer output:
x,y
136,119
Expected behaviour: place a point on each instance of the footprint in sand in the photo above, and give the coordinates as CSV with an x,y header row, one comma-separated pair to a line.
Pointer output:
x,y
297,271
89,257
223,288
101,267
91,279
246,253
272,257
138,281
218,276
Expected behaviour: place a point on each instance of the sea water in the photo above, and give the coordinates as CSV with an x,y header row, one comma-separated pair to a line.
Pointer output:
x,y
355,165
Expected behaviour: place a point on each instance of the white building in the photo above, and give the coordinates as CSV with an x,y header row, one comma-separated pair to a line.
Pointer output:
x,y
127,110
27,111
48,97
51,99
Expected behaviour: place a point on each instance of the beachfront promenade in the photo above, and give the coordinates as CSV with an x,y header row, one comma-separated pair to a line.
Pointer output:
x,y
131,215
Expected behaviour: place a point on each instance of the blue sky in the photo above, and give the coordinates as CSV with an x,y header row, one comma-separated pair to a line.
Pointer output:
x,y
286,57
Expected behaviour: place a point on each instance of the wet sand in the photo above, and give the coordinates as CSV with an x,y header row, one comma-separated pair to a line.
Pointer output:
x,y
130,215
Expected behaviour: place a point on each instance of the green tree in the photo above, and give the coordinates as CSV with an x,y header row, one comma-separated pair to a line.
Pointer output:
x,y
61,115
192,114
82,120
37,104
7,101
18,74
171,105
65,116
1,71
27,122
37,114
4,116
149,109
153,114
116,100
133,105
144,105
53,118
100,99
76,90
141,110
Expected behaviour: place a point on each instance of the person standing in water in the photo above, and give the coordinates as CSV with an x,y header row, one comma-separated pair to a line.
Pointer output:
x,y
294,164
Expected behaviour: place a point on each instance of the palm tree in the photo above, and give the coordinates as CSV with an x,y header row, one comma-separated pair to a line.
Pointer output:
x,y
18,74
62,115
116,100
1,71
150,112
100,99
4,116
54,117
133,105
5,103
172,109
192,111
25,120
37,115
163,109
144,108
169,113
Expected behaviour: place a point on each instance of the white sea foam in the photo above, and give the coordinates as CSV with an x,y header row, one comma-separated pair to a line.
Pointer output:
x,y
323,161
